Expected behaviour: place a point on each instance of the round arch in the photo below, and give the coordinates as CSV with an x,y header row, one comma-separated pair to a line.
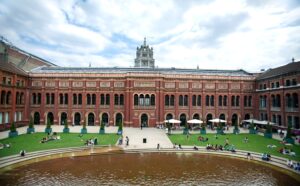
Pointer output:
x,y
183,119
36,118
144,120
91,119
63,118
169,116
77,118
118,118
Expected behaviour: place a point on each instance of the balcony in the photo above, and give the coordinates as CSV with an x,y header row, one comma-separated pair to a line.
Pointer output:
x,y
291,109
140,107
275,108
262,108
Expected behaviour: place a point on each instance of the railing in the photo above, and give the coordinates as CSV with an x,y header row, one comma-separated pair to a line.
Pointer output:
x,y
291,109
262,108
275,108
139,107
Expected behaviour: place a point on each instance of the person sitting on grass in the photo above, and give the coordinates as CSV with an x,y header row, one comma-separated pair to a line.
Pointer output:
x,y
246,140
22,153
195,147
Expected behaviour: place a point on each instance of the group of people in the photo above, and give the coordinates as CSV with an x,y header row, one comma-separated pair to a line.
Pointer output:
x,y
50,137
214,147
266,157
175,146
293,165
200,138
120,140
2,146
91,142
287,151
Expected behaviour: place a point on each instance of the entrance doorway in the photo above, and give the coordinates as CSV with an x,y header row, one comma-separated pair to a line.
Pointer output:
x,y
144,120
77,118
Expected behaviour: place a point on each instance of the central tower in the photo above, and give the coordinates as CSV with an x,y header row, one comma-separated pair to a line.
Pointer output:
x,y
144,56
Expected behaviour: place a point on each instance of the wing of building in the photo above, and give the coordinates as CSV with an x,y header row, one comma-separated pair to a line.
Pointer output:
x,y
142,95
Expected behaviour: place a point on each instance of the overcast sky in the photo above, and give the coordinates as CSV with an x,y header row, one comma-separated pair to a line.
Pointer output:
x,y
226,34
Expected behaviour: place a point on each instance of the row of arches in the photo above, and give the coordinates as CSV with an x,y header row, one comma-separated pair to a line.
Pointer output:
x,y
5,97
209,116
77,118
144,100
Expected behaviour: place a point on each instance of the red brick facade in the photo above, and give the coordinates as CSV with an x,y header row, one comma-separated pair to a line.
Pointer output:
x,y
147,97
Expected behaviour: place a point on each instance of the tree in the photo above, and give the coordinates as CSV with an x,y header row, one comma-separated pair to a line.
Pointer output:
x,y
289,131
66,124
120,127
31,126
268,128
13,127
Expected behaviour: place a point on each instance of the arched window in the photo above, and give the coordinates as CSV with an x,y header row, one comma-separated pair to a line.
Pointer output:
x,y
186,100
225,101
116,99
141,100
8,98
250,101
147,100
152,100
212,100
33,98
220,100
194,100
199,100
52,98
167,101
107,99
66,99
88,99
245,101
121,99
102,99
17,98
233,101
3,96
207,100
39,98
47,98
278,104
172,101
180,100
295,100
136,99
105,119
93,99
74,99
273,101
61,99
79,99
91,119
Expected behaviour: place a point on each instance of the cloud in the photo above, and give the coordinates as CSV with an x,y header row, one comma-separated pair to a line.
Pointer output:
x,y
212,34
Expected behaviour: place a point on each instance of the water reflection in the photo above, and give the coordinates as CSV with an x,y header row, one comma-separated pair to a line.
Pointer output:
x,y
146,169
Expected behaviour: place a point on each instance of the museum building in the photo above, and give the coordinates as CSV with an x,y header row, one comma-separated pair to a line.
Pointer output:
x,y
141,95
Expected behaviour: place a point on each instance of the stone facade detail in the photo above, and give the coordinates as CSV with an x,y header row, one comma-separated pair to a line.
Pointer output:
x,y
144,56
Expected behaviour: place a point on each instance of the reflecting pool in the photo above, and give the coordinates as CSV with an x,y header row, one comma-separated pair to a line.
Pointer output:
x,y
147,169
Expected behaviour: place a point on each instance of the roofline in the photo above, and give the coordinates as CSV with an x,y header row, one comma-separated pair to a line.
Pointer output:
x,y
25,52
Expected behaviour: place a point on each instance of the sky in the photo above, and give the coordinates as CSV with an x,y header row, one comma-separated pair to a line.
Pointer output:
x,y
212,34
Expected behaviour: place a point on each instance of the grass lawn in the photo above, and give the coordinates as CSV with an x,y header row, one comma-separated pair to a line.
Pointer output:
x,y
31,142
256,143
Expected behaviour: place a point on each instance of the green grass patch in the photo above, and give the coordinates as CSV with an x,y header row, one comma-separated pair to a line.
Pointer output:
x,y
31,142
256,143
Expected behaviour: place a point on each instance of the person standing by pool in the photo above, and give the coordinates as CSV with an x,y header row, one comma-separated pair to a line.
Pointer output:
x,y
127,141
